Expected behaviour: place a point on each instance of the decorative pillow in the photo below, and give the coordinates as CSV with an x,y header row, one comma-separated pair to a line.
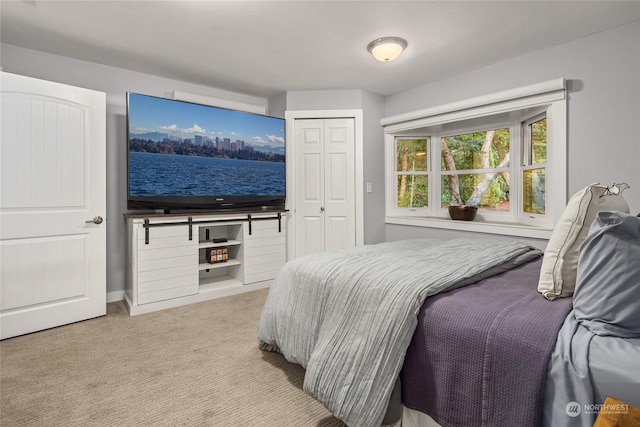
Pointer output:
x,y
608,285
617,414
560,262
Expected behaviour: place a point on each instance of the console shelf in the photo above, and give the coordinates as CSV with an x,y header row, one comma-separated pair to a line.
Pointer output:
x,y
207,266
218,283
204,245
169,267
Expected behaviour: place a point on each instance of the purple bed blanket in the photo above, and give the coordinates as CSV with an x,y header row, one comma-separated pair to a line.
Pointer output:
x,y
479,354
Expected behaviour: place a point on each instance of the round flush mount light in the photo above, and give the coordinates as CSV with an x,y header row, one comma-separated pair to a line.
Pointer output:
x,y
387,49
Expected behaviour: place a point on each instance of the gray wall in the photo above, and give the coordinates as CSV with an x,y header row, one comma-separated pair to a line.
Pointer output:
x,y
603,108
374,227
604,118
115,82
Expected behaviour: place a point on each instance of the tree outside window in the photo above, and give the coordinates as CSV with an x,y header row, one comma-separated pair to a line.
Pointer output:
x,y
411,169
475,169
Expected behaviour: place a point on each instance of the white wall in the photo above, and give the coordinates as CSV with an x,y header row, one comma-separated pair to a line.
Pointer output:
x,y
115,82
603,109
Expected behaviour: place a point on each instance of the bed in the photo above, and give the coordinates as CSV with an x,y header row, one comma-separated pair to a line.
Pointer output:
x,y
460,328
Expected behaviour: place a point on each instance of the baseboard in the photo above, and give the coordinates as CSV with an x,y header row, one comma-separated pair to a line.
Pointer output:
x,y
115,296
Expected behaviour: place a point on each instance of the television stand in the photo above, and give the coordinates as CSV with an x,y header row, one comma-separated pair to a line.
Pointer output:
x,y
170,256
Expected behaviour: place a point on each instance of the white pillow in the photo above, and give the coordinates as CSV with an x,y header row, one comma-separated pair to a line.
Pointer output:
x,y
560,262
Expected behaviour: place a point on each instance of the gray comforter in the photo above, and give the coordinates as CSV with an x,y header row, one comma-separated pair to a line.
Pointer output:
x,y
348,316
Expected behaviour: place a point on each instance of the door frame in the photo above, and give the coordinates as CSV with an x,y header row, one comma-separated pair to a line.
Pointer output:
x,y
290,118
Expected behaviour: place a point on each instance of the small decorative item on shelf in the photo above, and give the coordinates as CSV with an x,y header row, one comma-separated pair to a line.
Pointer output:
x,y
216,255
463,212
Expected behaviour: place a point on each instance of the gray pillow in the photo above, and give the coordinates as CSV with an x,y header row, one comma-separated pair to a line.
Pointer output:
x,y
608,284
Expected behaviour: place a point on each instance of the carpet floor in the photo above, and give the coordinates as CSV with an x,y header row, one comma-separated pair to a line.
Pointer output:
x,y
197,365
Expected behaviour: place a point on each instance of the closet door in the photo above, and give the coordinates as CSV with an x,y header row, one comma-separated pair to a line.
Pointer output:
x,y
324,185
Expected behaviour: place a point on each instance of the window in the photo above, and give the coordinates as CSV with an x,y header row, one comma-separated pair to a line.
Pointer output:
x,y
534,163
499,156
412,179
475,169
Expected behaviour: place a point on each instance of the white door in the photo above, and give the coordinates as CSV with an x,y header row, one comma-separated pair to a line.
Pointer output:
x,y
325,205
52,172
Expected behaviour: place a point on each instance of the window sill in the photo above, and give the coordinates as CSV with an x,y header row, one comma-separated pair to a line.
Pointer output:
x,y
506,229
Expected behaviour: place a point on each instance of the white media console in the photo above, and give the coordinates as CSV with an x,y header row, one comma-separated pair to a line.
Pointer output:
x,y
168,257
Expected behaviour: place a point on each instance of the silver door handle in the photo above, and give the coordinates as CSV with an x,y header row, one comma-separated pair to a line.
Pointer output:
x,y
95,220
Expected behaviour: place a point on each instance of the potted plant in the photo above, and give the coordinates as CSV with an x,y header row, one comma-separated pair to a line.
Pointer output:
x,y
463,212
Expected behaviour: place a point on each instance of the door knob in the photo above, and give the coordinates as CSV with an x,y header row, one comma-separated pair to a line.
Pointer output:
x,y
95,220
321,208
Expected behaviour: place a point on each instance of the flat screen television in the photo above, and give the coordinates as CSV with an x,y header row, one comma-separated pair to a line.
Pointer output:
x,y
184,156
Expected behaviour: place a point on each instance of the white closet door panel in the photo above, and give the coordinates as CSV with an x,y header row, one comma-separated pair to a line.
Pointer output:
x,y
313,134
337,235
339,181
336,178
338,131
312,184
311,235
309,186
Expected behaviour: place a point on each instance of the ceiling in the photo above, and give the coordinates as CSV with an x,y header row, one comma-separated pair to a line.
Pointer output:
x,y
264,48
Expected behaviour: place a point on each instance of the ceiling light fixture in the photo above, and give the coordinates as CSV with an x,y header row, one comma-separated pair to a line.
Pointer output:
x,y
387,49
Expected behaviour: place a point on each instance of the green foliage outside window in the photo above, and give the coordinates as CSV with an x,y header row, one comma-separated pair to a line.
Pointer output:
x,y
411,158
539,141
413,191
471,151
477,150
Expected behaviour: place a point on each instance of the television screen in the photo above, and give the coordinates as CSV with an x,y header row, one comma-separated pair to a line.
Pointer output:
x,y
183,155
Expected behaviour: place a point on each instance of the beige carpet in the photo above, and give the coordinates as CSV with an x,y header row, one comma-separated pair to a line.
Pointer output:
x,y
197,365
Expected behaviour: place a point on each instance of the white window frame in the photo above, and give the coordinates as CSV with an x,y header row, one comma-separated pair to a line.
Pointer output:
x,y
527,164
503,109
428,173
